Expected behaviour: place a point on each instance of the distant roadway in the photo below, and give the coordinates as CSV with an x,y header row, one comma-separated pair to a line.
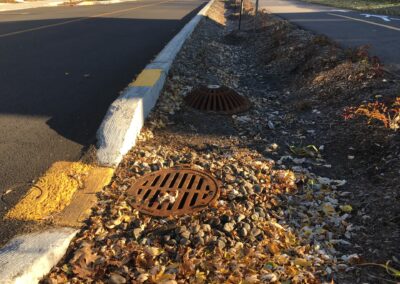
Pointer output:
x,y
348,28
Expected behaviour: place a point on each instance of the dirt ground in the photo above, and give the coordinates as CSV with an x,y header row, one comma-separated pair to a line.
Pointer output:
x,y
310,174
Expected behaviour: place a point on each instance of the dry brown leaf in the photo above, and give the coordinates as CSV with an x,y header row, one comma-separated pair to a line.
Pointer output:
x,y
273,248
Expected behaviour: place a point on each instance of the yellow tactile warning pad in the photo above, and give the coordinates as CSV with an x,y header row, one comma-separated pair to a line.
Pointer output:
x,y
147,78
52,192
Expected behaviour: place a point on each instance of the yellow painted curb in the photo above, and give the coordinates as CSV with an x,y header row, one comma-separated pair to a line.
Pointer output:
x,y
147,78
80,208
66,193
52,192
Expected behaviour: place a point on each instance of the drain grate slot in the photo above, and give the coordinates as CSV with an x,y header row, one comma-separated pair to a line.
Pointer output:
x,y
165,180
182,180
146,194
194,198
174,180
183,200
174,191
154,198
192,179
219,99
154,181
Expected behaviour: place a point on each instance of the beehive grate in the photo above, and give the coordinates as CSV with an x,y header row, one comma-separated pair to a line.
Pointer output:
x,y
219,99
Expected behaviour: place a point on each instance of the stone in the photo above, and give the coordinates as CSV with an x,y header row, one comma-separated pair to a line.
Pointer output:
x,y
257,188
196,229
246,226
180,229
240,218
242,232
206,228
228,227
184,242
215,222
225,218
254,217
198,241
185,234
221,244
255,232
269,278
115,278
200,234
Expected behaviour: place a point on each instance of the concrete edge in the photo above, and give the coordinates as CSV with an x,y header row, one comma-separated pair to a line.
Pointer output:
x,y
5,7
27,258
126,115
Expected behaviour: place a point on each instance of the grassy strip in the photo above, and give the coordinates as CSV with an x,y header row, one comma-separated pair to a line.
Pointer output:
x,y
373,6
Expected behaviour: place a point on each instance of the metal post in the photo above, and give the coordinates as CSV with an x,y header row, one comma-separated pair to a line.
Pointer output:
x,y
240,15
255,16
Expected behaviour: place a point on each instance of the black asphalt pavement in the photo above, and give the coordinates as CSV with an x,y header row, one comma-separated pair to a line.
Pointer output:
x,y
348,28
60,69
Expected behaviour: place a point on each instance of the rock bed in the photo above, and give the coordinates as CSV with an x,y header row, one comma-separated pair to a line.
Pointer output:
x,y
275,221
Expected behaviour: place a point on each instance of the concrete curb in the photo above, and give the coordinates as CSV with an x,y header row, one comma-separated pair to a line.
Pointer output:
x,y
27,258
126,115
4,7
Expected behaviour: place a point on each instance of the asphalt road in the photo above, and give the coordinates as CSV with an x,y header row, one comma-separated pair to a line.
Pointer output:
x,y
348,28
60,69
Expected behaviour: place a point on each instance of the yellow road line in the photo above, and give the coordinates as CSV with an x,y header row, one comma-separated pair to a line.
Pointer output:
x,y
365,21
81,19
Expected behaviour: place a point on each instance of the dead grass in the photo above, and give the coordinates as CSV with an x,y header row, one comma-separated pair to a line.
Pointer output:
x,y
387,113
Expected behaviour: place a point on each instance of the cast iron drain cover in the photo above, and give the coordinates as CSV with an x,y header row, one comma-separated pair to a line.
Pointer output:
x,y
218,99
175,191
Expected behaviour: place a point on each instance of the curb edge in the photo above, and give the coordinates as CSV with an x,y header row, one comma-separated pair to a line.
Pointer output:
x,y
125,117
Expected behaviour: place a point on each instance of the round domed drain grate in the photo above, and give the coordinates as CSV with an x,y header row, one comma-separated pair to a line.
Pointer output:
x,y
218,99
173,191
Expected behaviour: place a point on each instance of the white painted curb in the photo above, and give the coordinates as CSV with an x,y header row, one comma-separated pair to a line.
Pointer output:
x,y
4,7
126,115
27,258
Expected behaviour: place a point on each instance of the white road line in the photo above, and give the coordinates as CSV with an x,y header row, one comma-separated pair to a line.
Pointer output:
x,y
365,21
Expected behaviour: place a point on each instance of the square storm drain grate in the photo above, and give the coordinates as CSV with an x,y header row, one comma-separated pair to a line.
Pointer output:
x,y
175,191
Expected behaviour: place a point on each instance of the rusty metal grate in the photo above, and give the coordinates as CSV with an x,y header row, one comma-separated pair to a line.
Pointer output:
x,y
218,99
173,191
